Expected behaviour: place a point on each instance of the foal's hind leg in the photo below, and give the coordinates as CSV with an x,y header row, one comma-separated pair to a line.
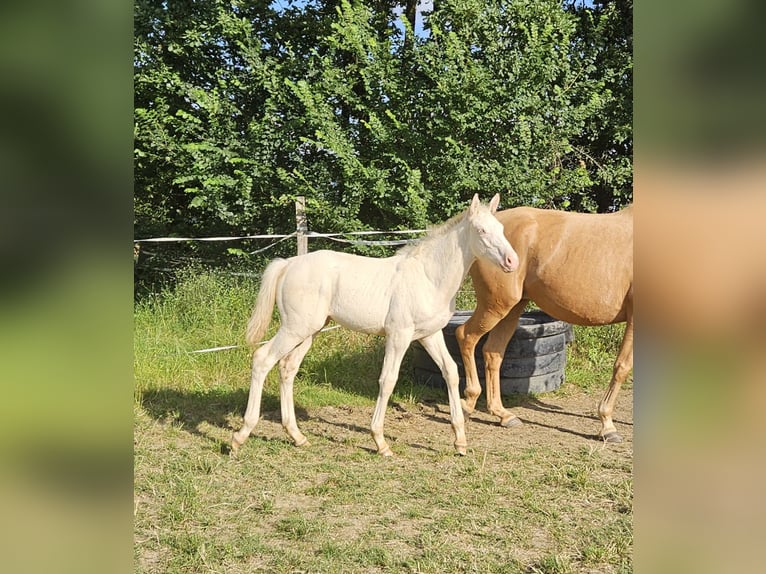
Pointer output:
x,y
264,358
435,346
288,368
622,367
494,351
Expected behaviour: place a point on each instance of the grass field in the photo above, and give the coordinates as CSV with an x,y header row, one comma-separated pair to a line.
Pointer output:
x,y
545,498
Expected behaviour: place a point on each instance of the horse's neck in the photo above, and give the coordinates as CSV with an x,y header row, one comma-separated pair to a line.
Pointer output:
x,y
446,260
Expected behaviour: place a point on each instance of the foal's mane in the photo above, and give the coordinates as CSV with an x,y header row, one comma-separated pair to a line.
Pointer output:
x,y
432,234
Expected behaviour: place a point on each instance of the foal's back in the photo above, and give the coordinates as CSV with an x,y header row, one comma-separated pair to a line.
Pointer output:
x,y
576,267
364,294
350,289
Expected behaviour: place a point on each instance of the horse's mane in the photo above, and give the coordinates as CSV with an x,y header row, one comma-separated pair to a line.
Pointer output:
x,y
432,233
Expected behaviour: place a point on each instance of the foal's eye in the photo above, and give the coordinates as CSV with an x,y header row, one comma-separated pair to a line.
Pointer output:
x,y
482,231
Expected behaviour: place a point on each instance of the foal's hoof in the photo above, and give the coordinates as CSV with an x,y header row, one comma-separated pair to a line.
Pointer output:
x,y
512,422
303,441
612,437
386,451
460,450
233,449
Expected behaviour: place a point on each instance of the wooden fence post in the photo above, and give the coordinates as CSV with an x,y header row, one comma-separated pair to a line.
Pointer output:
x,y
301,228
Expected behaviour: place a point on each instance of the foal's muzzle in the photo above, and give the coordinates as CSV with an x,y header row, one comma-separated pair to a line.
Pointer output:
x,y
510,262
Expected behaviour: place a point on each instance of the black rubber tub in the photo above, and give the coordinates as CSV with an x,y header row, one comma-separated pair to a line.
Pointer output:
x,y
534,360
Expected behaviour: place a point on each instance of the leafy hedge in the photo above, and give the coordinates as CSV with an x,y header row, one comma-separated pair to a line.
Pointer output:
x,y
241,105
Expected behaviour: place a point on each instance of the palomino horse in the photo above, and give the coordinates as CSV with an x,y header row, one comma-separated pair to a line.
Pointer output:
x,y
408,296
577,268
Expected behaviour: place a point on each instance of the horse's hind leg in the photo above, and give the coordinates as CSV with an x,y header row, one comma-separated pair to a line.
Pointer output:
x,y
435,346
622,367
264,359
288,368
494,351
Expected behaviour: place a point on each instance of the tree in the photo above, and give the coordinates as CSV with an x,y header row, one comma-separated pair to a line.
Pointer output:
x,y
605,38
503,98
240,106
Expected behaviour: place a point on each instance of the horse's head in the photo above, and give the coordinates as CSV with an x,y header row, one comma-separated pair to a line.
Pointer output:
x,y
487,236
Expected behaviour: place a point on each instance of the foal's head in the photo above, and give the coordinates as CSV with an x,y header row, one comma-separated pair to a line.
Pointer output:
x,y
487,239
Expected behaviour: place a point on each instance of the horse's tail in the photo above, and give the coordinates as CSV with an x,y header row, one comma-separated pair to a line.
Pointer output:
x,y
264,304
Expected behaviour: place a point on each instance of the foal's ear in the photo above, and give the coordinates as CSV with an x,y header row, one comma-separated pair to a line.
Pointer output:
x,y
475,203
494,203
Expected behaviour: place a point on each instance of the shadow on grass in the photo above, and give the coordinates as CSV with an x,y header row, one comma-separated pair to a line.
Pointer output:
x,y
355,373
589,436
365,430
532,402
197,411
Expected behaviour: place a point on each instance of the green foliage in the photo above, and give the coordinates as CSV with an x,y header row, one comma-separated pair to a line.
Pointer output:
x,y
240,106
605,146
504,99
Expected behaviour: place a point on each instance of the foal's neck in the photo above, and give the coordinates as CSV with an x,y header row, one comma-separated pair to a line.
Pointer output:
x,y
447,259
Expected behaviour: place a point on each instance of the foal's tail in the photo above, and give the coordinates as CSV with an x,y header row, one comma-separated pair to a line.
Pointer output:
x,y
264,304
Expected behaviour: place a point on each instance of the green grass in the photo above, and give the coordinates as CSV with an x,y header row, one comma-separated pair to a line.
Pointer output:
x,y
333,507
209,310
591,356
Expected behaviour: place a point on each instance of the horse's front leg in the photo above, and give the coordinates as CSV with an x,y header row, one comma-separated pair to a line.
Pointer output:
x,y
396,345
494,351
435,346
468,335
622,366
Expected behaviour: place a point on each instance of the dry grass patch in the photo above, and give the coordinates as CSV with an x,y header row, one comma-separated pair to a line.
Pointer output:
x,y
547,497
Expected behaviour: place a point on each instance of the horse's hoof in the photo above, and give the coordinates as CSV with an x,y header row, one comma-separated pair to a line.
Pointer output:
x,y
460,450
303,441
612,437
512,422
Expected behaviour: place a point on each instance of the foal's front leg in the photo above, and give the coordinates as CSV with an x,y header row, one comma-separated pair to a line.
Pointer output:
x,y
396,346
435,346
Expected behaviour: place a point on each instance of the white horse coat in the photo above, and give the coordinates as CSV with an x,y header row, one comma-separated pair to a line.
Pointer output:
x,y
409,296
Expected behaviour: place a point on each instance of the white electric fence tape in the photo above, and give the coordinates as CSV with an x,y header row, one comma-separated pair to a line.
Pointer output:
x,y
332,236
227,347
280,237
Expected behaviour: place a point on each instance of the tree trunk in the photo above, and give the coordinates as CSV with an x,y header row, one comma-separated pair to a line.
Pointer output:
x,y
410,12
